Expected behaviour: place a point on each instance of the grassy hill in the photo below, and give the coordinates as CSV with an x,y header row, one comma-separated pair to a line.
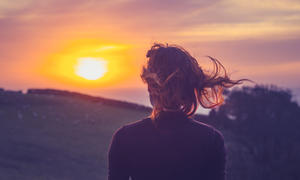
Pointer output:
x,y
59,136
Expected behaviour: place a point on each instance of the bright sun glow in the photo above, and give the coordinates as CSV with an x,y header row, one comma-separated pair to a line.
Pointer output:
x,y
91,68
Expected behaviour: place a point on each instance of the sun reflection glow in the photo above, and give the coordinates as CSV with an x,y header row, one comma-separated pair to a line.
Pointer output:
x,y
91,68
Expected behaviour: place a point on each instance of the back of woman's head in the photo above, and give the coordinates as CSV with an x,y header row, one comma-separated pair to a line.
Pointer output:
x,y
176,82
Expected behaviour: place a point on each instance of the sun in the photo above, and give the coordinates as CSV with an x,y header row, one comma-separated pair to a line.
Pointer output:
x,y
91,68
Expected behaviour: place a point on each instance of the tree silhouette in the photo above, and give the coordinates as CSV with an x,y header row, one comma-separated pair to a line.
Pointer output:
x,y
266,121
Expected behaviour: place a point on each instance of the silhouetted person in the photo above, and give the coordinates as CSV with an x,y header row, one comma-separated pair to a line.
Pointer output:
x,y
170,144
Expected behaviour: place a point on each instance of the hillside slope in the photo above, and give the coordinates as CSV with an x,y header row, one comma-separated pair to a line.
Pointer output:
x,y
47,136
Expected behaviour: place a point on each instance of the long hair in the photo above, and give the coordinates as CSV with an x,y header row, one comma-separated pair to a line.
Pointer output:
x,y
176,82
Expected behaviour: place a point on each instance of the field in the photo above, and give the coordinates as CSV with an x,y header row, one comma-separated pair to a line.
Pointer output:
x,y
46,136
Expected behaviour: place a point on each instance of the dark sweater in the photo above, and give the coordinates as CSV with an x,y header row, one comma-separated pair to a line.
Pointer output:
x,y
177,148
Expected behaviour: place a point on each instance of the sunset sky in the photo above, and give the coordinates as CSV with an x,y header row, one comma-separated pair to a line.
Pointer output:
x,y
42,42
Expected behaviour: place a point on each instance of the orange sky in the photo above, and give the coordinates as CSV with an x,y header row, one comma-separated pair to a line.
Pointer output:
x,y
41,40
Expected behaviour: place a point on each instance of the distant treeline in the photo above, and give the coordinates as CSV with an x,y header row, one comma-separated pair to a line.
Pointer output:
x,y
56,92
2,90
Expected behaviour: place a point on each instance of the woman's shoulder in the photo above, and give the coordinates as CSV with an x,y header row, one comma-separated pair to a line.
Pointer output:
x,y
207,129
142,123
135,126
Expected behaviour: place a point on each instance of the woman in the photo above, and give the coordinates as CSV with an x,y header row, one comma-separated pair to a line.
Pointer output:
x,y
169,144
